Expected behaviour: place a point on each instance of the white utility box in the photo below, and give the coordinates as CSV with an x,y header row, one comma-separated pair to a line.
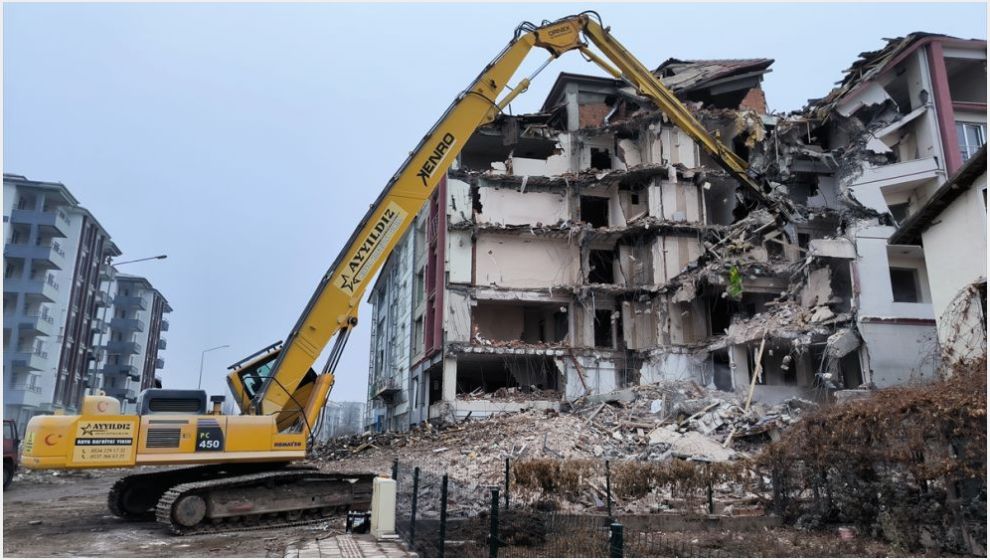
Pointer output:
x,y
383,508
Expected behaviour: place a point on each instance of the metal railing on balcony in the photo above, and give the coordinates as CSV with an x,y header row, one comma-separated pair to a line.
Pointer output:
x,y
127,324
123,347
129,302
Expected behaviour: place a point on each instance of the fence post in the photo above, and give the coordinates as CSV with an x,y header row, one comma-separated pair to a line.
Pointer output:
x,y
711,498
443,515
395,471
506,483
412,524
493,532
608,490
615,541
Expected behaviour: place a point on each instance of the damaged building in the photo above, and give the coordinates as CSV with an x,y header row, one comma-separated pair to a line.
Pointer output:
x,y
593,246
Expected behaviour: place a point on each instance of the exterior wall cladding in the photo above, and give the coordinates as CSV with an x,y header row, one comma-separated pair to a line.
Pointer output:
x,y
591,246
58,302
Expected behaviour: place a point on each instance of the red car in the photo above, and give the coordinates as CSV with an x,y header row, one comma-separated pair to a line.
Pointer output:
x,y
10,445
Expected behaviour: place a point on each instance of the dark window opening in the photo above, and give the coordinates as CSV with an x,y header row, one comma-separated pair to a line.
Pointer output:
x,y
803,240
841,279
774,250
560,324
634,198
594,210
435,377
601,159
601,267
722,370
898,211
491,373
603,328
740,148
852,375
904,282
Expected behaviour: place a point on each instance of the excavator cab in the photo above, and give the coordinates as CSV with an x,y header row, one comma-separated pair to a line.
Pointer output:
x,y
248,376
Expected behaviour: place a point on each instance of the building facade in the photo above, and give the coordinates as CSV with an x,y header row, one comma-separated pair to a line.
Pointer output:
x,y
136,339
593,246
59,304
36,253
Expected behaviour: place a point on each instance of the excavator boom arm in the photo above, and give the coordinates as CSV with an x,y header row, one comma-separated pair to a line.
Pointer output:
x,y
333,307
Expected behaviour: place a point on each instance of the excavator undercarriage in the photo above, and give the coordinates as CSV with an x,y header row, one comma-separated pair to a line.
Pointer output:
x,y
239,496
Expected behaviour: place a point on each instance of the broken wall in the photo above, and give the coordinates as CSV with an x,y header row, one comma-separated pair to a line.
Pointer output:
x,y
519,261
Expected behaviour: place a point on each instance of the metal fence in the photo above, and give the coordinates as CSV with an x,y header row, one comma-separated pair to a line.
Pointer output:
x,y
433,524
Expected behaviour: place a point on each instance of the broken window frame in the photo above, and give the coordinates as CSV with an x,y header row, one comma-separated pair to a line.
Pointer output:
x,y
963,129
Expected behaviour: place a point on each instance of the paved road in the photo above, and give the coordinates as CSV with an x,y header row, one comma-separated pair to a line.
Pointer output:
x,y
348,546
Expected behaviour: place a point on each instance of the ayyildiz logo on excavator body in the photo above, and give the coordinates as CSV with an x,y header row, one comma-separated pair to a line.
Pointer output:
x,y
430,165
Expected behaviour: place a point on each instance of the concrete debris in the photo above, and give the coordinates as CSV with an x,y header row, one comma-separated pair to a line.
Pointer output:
x,y
629,424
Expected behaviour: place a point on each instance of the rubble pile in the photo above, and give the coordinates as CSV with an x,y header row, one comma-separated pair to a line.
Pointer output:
x,y
515,394
655,423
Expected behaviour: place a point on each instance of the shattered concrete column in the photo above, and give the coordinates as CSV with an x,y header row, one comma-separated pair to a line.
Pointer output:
x,y
449,389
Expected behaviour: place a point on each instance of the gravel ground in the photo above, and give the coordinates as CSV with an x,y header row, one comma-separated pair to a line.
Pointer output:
x,y
66,515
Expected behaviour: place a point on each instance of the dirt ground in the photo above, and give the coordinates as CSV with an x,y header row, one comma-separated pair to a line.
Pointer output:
x,y
66,515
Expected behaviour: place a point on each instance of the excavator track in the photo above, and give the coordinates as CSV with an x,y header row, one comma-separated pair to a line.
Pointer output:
x,y
264,500
135,496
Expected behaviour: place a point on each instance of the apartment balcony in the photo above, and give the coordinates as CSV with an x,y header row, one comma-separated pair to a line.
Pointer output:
x,y
42,289
386,388
97,353
162,344
123,394
55,221
24,391
107,272
123,347
29,361
159,363
129,370
99,326
42,256
102,299
119,324
164,325
129,302
36,325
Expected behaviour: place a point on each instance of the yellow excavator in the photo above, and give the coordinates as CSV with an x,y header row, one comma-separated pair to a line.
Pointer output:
x,y
244,474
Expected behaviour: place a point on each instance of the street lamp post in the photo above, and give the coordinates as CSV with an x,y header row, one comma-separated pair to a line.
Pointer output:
x,y
159,257
202,357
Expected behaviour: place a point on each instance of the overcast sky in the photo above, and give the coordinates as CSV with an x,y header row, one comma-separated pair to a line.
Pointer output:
x,y
245,141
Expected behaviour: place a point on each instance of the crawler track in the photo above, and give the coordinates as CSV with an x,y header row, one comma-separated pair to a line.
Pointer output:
x,y
274,499
136,495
